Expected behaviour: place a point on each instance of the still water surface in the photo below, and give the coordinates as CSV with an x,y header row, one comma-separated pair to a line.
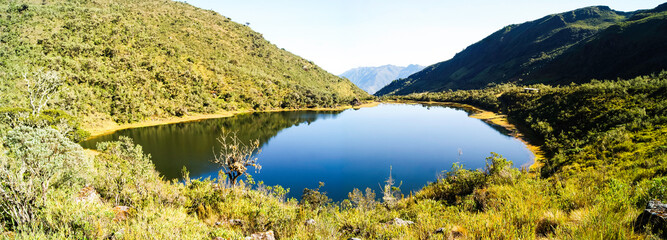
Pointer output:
x,y
344,149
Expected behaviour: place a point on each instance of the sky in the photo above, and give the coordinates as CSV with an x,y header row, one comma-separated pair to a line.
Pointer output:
x,y
344,34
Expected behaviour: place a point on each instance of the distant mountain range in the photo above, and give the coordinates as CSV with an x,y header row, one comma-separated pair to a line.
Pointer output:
x,y
372,79
576,46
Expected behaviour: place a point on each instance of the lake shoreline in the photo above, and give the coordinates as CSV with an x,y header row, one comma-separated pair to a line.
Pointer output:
x,y
109,128
489,117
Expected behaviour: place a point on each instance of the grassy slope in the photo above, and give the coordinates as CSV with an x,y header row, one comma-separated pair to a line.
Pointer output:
x,y
131,60
580,43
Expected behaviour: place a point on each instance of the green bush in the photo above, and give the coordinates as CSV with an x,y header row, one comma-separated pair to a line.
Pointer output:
x,y
38,161
128,177
57,119
313,198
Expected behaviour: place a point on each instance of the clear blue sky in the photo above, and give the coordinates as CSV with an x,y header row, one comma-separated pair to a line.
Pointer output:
x,y
343,34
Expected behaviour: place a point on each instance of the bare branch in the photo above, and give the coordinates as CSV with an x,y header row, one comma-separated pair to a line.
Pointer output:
x,y
235,156
41,87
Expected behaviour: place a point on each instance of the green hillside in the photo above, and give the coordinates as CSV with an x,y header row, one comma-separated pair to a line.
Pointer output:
x,y
576,46
628,49
132,60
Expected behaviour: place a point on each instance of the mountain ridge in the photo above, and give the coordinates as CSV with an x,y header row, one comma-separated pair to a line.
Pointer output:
x,y
371,79
525,53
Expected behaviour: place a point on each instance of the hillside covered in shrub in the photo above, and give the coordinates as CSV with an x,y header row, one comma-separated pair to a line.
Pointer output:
x,y
576,46
127,61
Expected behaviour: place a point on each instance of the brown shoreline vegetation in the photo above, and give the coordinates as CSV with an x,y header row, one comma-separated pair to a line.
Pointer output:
x,y
491,118
109,127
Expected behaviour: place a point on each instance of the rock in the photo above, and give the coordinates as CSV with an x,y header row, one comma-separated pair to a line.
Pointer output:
x,y
117,235
400,222
452,233
236,222
310,222
354,239
87,195
122,213
653,217
218,223
263,236
219,238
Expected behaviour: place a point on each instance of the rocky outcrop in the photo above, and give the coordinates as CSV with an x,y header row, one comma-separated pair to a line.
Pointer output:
x,y
654,218
236,222
262,236
87,195
452,232
310,222
400,222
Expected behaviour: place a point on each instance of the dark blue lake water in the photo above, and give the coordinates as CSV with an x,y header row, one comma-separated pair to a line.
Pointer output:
x,y
344,149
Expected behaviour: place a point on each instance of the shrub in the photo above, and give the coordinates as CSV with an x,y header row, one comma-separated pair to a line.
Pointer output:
x,y
38,160
363,201
128,177
457,183
57,119
314,198
235,156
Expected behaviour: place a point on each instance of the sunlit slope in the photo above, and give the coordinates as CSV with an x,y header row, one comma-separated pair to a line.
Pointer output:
x,y
131,60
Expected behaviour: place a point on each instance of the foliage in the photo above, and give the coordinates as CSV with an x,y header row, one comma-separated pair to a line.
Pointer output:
x,y
460,183
605,141
314,198
128,177
128,61
361,200
41,88
57,119
37,162
235,156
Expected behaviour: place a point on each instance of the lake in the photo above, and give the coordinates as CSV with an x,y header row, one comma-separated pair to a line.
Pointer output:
x,y
346,149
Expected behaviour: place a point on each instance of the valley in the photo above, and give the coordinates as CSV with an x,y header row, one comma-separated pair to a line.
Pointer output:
x,y
160,119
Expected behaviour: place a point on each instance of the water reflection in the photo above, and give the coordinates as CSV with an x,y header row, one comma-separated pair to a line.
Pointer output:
x,y
191,144
345,150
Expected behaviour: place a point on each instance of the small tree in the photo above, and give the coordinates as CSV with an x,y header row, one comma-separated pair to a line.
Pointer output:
x,y
235,156
390,193
314,198
41,87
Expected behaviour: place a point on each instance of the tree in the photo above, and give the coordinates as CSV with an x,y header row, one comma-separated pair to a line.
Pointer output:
x,y
235,156
390,193
41,87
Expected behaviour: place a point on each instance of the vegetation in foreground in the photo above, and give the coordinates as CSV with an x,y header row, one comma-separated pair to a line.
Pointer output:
x,y
598,175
